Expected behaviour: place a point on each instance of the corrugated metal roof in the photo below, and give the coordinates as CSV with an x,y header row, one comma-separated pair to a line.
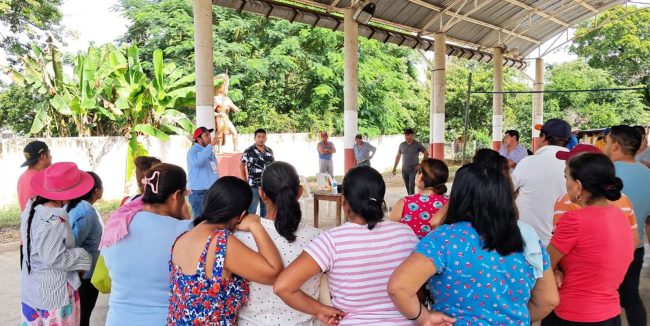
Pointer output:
x,y
473,27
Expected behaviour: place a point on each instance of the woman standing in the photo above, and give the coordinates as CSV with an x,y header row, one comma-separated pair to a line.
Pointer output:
x,y
209,267
280,192
51,263
358,257
417,210
87,228
475,263
591,248
135,246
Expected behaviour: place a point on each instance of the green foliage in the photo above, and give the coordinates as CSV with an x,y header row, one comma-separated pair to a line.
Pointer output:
x,y
286,77
17,108
621,46
26,20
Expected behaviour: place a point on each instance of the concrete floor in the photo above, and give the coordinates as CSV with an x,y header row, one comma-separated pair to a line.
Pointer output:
x,y
10,272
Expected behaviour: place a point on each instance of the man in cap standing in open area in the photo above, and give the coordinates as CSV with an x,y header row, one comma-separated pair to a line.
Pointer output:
x,y
410,149
539,178
202,168
621,143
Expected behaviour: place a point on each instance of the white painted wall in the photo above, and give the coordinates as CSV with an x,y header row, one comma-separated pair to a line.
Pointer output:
x,y
107,157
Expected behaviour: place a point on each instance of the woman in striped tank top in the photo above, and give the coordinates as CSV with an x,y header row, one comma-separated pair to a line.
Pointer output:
x,y
358,257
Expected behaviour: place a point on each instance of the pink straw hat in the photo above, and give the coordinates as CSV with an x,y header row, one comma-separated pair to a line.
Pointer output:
x,y
62,181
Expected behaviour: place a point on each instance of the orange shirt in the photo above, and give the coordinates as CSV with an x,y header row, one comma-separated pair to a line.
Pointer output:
x,y
564,204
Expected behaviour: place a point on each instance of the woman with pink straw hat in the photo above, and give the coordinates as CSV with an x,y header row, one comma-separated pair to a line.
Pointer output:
x,y
51,263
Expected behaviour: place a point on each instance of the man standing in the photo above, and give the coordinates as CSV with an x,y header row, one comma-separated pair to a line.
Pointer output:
x,y
512,150
362,151
410,149
37,158
202,168
540,179
253,162
325,150
621,143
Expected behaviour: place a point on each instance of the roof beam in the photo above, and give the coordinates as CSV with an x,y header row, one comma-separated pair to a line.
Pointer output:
x,y
439,15
476,21
586,5
333,4
537,11
483,3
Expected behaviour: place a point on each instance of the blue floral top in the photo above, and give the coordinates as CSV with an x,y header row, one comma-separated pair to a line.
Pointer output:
x,y
474,285
200,300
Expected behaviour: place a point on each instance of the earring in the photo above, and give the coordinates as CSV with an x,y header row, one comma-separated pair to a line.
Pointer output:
x,y
578,197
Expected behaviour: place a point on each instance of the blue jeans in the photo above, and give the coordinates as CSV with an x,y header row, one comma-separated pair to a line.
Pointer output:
x,y
252,209
196,201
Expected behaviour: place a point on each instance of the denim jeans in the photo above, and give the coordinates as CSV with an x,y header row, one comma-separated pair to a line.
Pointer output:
x,y
252,209
409,181
196,201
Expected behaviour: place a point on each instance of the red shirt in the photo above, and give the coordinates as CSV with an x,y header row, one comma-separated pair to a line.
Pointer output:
x,y
597,247
418,211
25,191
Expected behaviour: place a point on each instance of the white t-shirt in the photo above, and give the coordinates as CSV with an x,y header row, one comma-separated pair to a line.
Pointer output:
x,y
540,180
264,307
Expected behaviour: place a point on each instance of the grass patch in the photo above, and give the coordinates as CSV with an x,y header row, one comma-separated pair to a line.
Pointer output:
x,y
10,214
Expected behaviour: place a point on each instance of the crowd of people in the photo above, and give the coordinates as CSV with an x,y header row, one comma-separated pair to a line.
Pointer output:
x,y
555,237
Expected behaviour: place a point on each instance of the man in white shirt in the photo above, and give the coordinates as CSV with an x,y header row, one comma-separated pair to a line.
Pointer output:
x,y
539,178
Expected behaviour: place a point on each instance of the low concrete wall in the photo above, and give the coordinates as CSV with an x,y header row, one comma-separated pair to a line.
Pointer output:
x,y
107,156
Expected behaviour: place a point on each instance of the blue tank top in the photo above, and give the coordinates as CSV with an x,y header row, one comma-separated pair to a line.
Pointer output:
x,y
328,145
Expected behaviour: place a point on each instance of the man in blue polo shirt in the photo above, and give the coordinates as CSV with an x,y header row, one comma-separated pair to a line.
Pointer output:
x,y
621,143
202,168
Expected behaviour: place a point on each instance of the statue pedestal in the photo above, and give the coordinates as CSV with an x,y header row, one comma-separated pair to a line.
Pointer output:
x,y
229,164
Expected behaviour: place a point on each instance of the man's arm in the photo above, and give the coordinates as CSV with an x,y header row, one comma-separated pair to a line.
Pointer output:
x,y
320,149
242,170
372,150
399,155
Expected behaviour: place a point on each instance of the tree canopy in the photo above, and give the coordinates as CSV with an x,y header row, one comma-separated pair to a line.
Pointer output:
x,y
26,21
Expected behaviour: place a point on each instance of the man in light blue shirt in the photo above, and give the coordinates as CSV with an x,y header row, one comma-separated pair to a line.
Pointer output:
x,y
511,148
202,168
362,151
621,144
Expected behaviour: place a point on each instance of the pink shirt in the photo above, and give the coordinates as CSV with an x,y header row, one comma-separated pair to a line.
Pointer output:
x,y
359,263
25,191
597,247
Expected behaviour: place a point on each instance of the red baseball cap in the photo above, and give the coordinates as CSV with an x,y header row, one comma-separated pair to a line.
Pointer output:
x,y
580,148
200,131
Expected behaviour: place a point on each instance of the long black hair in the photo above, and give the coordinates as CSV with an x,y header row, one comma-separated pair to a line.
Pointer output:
x,y
483,196
491,158
38,200
281,183
96,185
597,175
364,190
226,199
165,179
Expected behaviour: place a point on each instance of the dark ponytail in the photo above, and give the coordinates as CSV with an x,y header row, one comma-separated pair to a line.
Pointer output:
x,y
364,190
38,200
435,174
597,175
281,184
97,184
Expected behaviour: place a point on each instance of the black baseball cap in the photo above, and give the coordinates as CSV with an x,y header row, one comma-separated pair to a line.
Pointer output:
x,y
557,128
33,152
408,131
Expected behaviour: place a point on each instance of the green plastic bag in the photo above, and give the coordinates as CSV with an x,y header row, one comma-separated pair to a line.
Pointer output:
x,y
101,280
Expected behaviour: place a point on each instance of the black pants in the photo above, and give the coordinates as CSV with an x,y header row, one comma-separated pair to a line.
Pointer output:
x,y
87,299
409,181
629,292
554,320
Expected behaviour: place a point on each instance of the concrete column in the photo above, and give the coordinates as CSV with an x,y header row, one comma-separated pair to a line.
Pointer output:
x,y
538,101
203,63
497,99
350,85
437,105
